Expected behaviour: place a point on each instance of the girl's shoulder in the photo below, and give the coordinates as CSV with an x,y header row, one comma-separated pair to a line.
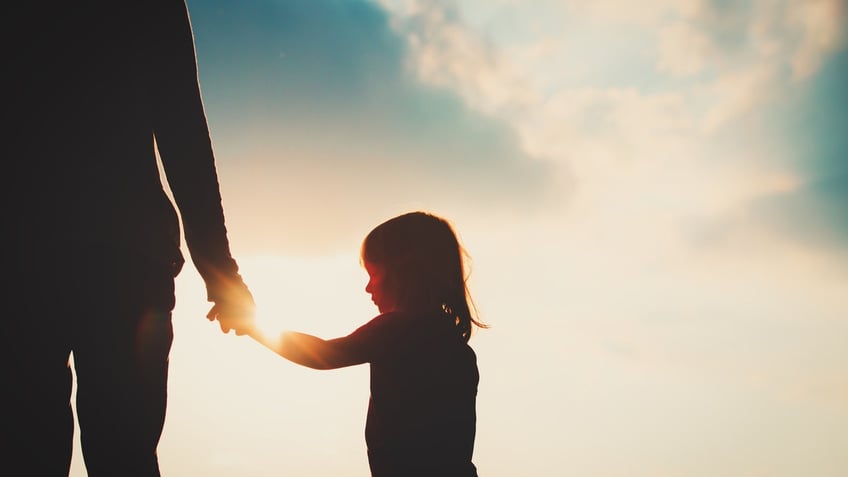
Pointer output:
x,y
419,325
394,319
383,321
399,321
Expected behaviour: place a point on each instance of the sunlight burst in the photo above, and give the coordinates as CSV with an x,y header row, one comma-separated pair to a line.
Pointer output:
x,y
319,295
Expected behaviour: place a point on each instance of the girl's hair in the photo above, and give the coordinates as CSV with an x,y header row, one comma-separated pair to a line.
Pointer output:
x,y
424,265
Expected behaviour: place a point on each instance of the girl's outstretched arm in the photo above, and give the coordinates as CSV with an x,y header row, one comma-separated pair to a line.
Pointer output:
x,y
310,351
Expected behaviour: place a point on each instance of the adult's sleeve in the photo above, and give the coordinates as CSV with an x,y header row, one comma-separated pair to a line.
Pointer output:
x,y
185,147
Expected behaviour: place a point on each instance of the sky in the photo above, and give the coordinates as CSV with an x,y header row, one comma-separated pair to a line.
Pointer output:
x,y
654,195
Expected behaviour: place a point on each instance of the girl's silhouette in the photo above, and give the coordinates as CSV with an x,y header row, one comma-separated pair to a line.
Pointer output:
x,y
421,414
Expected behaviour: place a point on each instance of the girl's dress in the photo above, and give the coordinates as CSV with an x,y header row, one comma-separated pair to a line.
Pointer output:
x,y
421,414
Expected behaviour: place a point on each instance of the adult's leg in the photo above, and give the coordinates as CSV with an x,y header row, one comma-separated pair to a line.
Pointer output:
x,y
121,360
38,423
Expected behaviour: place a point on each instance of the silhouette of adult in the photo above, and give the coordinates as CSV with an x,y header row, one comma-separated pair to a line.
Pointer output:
x,y
93,88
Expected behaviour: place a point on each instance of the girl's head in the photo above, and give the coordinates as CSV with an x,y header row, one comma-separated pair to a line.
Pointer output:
x,y
415,262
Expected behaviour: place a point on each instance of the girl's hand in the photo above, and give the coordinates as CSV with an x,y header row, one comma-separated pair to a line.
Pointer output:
x,y
234,316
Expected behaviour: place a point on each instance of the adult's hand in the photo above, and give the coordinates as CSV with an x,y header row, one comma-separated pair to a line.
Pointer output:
x,y
235,310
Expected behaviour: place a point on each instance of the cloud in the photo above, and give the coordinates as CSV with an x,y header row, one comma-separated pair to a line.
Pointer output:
x,y
811,133
684,50
414,103
820,25
645,14
445,51
696,128
738,93
719,45
316,114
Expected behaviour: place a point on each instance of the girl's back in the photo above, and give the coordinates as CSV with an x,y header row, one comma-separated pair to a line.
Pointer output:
x,y
421,416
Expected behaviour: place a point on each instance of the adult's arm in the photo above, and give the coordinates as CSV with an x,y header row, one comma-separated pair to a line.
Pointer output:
x,y
185,147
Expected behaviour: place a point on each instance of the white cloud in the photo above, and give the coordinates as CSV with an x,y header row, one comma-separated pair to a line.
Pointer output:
x,y
646,13
683,49
717,66
447,54
738,93
820,24
743,48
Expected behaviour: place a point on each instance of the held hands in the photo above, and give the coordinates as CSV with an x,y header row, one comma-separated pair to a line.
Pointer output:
x,y
234,310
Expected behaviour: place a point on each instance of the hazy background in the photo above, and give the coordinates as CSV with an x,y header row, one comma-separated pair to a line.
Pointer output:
x,y
654,194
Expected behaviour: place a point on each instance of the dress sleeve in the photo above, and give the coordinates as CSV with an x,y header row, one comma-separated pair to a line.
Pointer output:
x,y
379,339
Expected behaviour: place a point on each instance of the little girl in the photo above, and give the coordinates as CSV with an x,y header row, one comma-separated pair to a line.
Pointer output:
x,y
421,414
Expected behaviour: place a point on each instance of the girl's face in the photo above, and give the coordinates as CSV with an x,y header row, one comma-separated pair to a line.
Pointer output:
x,y
379,288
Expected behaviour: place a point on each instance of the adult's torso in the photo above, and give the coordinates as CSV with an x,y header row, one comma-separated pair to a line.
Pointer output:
x,y
83,157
